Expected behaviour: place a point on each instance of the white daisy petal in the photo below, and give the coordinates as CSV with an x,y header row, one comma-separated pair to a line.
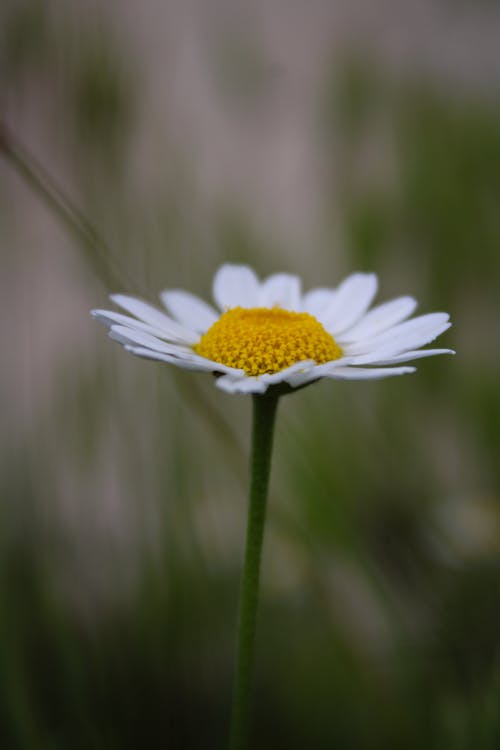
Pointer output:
x,y
380,319
156,318
241,385
406,356
284,376
210,366
189,310
126,335
316,372
280,290
411,334
352,298
186,364
301,378
136,338
317,300
368,373
236,286
110,318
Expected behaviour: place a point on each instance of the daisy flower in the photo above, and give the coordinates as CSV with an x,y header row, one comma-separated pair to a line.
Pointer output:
x,y
268,336
264,333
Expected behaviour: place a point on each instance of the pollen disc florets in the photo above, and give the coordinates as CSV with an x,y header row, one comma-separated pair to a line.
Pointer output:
x,y
262,340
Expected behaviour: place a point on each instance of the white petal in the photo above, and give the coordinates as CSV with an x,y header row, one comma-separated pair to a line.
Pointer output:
x,y
411,334
236,286
406,356
317,300
140,336
369,373
110,318
380,319
190,310
260,383
280,290
186,364
241,385
352,298
301,378
126,335
209,364
129,337
156,318
316,372
285,375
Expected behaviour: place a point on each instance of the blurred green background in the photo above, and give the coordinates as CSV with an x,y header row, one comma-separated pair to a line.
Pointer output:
x,y
311,138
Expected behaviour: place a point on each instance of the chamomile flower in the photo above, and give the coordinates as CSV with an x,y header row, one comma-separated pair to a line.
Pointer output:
x,y
263,333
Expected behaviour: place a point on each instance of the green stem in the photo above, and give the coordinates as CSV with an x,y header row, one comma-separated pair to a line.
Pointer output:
x,y
264,412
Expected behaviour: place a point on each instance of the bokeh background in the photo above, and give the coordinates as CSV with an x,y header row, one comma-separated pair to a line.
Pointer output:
x,y
316,138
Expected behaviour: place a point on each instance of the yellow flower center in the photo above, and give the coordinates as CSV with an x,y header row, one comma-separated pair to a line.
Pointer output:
x,y
261,339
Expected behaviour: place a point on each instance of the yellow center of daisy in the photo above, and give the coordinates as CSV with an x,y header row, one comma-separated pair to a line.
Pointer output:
x,y
262,340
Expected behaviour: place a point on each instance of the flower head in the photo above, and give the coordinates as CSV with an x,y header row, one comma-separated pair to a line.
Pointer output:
x,y
267,333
